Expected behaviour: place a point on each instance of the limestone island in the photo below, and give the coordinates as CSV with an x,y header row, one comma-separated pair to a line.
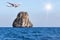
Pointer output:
x,y
22,20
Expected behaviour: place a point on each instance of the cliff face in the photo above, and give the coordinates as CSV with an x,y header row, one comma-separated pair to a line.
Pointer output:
x,y
22,20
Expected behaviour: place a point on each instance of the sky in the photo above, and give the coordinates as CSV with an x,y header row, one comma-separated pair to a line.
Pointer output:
x,y
38,15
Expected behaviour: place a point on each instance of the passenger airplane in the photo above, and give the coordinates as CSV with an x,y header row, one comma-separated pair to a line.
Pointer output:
x,y
13,5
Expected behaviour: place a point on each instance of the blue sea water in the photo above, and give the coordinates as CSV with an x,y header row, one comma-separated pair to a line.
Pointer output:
x,y
35,33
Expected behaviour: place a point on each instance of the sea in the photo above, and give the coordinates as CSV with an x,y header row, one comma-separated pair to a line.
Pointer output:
x,y
34,33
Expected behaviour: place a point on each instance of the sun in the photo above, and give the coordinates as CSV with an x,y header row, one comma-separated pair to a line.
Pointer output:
x,y
48,7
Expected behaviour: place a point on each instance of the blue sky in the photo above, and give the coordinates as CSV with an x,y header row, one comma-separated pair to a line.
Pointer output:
x,y
35,8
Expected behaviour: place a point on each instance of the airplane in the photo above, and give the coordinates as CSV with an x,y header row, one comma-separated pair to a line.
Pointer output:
x,y
13,4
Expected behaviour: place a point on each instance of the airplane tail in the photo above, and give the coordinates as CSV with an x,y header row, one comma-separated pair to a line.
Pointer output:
x,y
8,2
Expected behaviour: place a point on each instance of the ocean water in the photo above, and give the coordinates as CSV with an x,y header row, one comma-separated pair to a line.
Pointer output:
x,y
35,33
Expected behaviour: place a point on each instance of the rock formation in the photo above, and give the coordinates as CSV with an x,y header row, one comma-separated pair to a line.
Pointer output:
x,y
22,20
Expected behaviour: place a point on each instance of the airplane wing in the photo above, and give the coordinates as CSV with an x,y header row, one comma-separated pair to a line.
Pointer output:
x,y
10,3
8,6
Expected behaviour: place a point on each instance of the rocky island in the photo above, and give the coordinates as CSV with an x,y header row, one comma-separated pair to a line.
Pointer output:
x,y
22,20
